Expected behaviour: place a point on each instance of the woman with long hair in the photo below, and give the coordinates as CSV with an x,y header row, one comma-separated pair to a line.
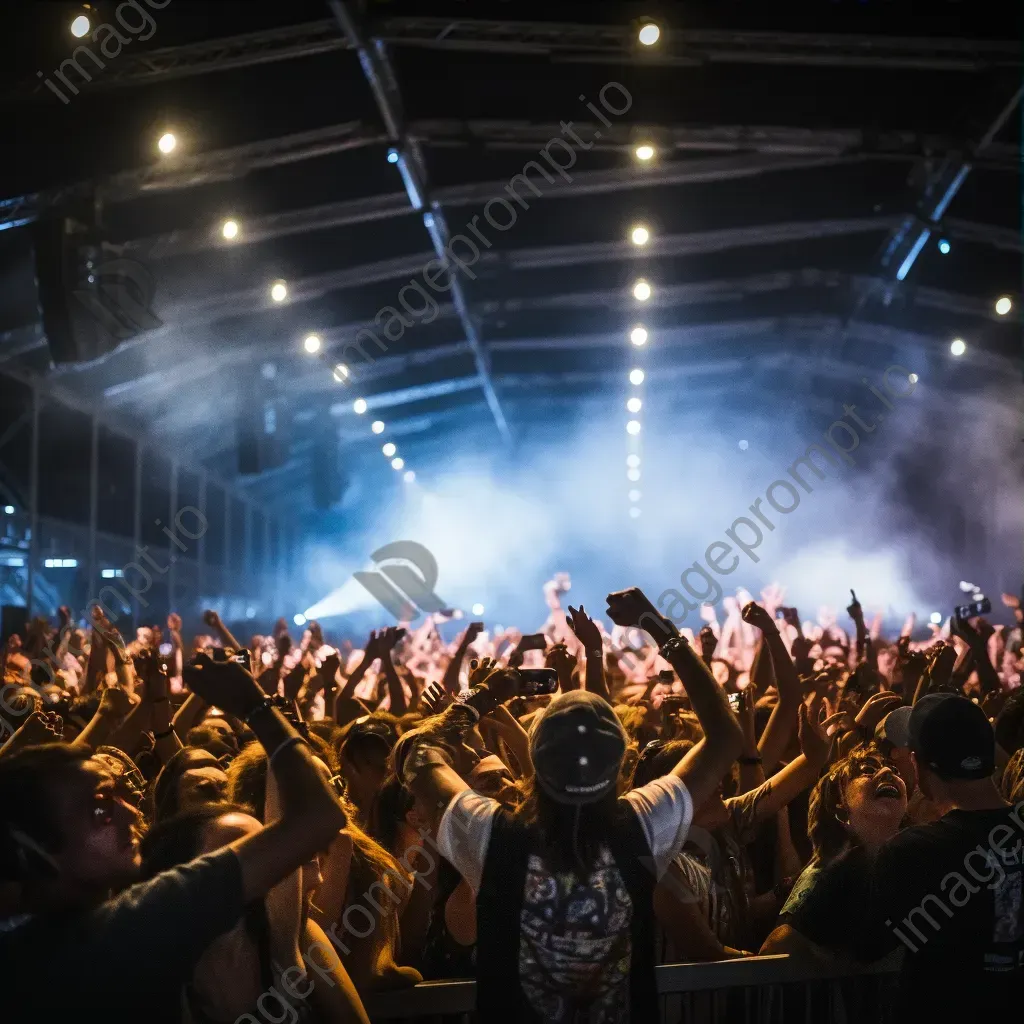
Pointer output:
x,y
854,809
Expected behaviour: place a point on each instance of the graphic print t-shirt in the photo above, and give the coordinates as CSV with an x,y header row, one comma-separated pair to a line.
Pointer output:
x,y
574,948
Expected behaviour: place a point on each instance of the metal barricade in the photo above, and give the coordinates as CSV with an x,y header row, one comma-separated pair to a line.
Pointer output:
x,y
754,990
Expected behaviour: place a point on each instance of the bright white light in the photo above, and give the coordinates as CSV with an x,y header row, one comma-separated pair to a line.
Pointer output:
x,y
935,618
638,336
340,373
968,588
640,235
229,229
1004,305
944,247
312,343
913,378
633,427
636,377
644,152
359,406
392,155
250,612
9,509
299,619
634,513
478,609
398,463
958,347
641,291
632,461
377,426
166,143
635,495
410,476
633,475
389,449
80,26
279,291
634,405
649,34
744,445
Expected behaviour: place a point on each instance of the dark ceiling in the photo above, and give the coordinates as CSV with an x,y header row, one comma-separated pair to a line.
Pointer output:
x,y
800,156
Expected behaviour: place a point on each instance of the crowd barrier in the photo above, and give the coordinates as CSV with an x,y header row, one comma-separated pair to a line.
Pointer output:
x,y
755,990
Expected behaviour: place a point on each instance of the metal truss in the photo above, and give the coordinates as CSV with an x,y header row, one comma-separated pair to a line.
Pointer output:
x,y
560,42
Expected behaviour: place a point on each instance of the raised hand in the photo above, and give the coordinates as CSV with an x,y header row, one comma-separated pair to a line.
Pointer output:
x,y
585,629
174,622
211,618
773,595
632,608
708,643
875,708
40,727
114,702
434,699
388,640
223,684
753,614
854,609
813,737
479,671
559,658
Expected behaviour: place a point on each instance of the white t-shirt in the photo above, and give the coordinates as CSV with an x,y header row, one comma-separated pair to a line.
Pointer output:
x,y
663,806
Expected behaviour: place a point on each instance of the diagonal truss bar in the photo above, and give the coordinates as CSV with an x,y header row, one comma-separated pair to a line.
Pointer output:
x,y
373,59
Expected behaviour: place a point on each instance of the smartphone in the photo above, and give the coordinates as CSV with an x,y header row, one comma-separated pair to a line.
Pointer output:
x,y
734,702
974,609
666,675
533,642
536,681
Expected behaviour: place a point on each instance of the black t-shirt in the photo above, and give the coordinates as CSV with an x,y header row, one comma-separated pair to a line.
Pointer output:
x,y
952,893
828,901
126,960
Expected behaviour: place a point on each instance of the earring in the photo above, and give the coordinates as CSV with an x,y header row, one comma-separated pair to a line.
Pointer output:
x,y
842,821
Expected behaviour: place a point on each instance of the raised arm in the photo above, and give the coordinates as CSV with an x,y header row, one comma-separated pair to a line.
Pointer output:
x,y
310,813
590,638
450,680
213,620
396,692
703,767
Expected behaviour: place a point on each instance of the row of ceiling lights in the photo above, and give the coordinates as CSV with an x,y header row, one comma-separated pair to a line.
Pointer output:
x,y
639,235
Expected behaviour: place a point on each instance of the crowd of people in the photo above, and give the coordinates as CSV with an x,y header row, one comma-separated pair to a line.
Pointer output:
x,y
218,832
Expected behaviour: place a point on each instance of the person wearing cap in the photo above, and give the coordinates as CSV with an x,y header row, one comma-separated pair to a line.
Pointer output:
x,y
565,885
892,735
952,892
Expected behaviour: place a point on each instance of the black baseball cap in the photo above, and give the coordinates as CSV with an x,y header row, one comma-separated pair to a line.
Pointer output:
x,y
952,736
577,745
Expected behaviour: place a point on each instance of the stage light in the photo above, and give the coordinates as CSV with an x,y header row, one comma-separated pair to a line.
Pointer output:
x,y
398,463
632,461
340,373
299,619
633,475
636,377
644,152
279,291
359,406
311,344
389,449
392,155
968,588
913,378
634,405
638,336
958,346
944,246
635,495
80,26
649,34
478,609
633,427
744,445
634,513
640,235
1004,305
9,509
935,618
166,143
641,291
229,229
410,476
377,426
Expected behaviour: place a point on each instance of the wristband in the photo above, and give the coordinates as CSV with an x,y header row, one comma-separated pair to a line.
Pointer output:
x,y
264,704
289,742
163,735
673,645
749,760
